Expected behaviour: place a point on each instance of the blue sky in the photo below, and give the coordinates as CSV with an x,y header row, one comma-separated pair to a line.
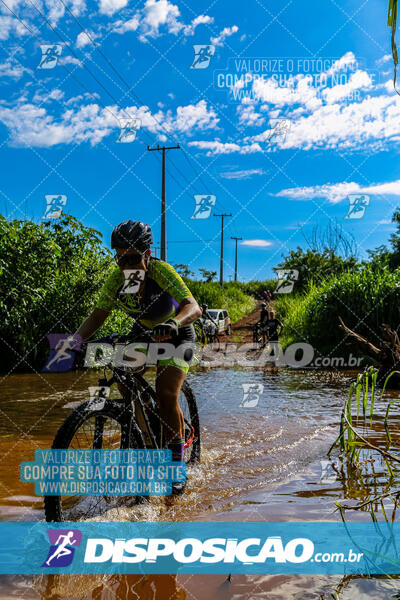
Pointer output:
x,y
322,70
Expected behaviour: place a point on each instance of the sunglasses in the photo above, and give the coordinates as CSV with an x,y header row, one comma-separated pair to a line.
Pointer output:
x,y
128,259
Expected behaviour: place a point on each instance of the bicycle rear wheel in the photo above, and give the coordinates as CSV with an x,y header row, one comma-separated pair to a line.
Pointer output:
x,y
108,428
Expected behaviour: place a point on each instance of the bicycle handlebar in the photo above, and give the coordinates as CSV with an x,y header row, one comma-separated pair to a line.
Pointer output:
x,y
117,338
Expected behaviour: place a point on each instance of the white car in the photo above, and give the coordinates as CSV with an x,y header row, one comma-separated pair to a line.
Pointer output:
x,y
222,319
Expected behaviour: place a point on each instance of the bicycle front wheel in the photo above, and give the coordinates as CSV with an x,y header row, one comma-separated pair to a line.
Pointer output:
x,y
108,428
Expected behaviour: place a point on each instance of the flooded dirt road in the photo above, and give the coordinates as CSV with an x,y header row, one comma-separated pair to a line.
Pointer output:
x,y
266,462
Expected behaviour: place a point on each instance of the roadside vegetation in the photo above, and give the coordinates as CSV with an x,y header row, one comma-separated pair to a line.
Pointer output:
x,y
50,274
334,285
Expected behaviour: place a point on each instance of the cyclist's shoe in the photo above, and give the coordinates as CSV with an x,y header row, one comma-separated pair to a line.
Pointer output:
x,y
178,487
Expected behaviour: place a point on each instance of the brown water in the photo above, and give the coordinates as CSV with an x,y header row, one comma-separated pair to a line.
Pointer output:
x,y
258,464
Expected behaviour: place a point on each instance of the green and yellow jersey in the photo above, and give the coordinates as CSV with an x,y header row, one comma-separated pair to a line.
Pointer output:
x,y
164,290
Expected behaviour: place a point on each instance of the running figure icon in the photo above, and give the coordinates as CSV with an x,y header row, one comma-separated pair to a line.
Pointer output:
x,y
62,550
63,543
62,347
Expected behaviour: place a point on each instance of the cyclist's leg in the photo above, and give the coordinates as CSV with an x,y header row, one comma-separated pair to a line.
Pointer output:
x,y
168,386
171,373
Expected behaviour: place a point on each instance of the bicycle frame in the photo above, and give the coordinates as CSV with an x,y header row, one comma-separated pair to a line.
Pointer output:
x,y
137,407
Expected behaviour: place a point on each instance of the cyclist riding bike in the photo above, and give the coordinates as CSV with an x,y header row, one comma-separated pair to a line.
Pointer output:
x,y
161,302
205,316
264,316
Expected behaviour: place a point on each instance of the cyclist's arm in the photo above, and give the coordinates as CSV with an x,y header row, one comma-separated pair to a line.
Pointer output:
x,y
94,321
188,312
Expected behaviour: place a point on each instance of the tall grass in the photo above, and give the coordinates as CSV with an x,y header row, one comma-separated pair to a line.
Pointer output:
x,y
364,300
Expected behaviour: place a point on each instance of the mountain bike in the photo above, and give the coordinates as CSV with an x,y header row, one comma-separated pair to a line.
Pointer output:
x,y
129,421
211,336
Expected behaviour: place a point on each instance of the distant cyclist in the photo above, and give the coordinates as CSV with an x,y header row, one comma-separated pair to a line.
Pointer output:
x,y
267,296
205,316
273,329
161,302
264,315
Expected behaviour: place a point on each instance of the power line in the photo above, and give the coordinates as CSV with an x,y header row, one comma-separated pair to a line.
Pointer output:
x,y
64,67
74,53
132,93
95,78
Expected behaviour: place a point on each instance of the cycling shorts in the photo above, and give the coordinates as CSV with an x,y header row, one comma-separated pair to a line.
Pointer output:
x,y
185,341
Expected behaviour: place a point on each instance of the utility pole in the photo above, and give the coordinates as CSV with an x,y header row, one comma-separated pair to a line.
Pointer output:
x,y
163,199
221,266
236,238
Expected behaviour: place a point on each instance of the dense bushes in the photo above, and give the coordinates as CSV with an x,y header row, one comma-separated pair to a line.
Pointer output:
x,y
48,276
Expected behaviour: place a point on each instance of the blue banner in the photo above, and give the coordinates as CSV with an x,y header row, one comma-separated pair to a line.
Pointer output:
x,y
205,548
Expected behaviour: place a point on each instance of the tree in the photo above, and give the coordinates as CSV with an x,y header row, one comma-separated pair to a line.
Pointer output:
x,y
183,270
208,276
332,239
317,266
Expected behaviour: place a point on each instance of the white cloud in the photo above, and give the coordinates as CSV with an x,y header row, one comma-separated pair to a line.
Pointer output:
x,y
346,62
384,59
221,37
337,116
83,39
193,116
359,80
124,26
13,69
55,10
69,60
10,25
41,97
200,20
244,174
256,243
249,116
339,191
375,119
217,147
159,15
30,125
109,7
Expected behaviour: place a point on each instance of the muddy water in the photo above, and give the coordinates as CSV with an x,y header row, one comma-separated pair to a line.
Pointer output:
x,y
260,463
